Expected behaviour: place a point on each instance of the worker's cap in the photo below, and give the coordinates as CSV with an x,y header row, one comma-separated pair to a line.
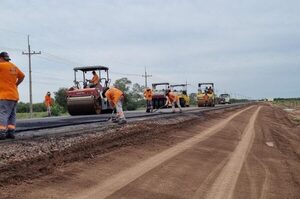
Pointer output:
x,y
5,56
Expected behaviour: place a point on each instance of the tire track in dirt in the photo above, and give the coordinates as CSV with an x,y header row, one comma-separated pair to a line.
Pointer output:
x,y
224,185
127,176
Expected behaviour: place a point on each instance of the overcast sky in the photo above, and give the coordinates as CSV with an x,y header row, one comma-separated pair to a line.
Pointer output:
x,y
246,47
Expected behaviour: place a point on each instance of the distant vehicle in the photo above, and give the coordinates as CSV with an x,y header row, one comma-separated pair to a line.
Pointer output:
x,y
159,94
224,99
181,91
206,94
83,100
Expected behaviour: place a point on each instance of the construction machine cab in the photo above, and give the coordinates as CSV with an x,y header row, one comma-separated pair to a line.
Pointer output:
x,y
101,71
181,91
84,100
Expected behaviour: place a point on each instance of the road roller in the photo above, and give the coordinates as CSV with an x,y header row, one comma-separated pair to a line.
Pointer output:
x,y
159,94
85,98
181,91
206,94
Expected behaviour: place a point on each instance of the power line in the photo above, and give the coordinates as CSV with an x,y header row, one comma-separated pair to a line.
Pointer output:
x,y
30,53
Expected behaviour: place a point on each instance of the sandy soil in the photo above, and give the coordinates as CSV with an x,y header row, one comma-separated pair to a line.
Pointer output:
x,y
248,153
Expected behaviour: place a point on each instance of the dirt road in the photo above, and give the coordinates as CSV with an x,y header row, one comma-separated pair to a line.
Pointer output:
x,y
248,153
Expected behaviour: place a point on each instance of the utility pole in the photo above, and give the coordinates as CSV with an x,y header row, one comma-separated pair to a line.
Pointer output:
x,y
146,77
29,53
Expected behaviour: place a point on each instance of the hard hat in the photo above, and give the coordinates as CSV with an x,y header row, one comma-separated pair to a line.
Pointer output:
x,y
5,56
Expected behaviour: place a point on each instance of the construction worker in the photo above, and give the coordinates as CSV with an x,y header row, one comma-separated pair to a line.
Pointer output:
x,y
94,81
148,96
115,97
11,77
48,103
206,98
173,99
210,90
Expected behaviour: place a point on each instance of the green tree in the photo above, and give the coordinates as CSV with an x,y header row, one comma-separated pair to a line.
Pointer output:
x,y
123,84
61,98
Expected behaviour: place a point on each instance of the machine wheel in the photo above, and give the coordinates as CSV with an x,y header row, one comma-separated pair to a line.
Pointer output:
x,y
98,106
182,102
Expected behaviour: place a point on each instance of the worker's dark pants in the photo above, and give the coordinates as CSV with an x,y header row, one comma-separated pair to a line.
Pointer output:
x,y
7,115
149,106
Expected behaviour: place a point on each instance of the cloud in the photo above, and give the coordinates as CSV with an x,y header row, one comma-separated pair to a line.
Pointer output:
x,y
245,47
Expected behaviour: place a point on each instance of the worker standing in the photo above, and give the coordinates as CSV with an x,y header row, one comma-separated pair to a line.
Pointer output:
x,y
148,96
173,99
11,77
48,103
115,97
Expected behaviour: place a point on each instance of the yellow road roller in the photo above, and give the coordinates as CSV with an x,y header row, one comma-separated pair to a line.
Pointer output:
x,y
206,94
181,91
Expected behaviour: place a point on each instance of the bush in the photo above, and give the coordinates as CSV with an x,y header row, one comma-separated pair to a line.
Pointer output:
x,y
57,110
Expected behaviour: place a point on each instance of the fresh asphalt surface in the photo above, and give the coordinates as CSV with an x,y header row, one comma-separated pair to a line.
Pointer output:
x,y
53,122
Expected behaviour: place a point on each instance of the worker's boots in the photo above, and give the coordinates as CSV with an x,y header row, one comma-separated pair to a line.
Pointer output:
x,y
122,121
10,134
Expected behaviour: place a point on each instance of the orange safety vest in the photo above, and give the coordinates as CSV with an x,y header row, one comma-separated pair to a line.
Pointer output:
x,y
113,95
206,97
48,100
148,94
172,97
9,76
95,79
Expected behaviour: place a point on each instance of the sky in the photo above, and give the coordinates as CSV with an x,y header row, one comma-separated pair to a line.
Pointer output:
x,y
247,48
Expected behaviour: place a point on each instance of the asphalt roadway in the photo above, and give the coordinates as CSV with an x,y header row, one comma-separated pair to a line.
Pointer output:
x,y
54,122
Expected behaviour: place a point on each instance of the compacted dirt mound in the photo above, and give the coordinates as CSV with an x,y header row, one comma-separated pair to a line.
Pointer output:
x,y
251,152
31,158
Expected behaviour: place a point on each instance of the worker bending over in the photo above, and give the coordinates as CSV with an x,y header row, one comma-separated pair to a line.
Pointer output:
x,y
115,97
11,77
95,80
48,103
173,99
148,96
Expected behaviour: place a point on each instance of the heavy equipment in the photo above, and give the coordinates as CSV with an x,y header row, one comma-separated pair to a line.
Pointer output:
x,y
224,98
181,91
159,94
83,100
206,94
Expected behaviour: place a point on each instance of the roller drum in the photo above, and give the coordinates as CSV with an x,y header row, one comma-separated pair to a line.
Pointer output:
x,y
86,105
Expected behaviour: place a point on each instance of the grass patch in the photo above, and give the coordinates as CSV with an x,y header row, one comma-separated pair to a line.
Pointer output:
x,y
34,115
288,103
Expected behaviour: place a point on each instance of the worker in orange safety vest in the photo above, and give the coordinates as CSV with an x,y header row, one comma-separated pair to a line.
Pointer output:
x,y
48,102
11,77
148,94
173,99
115,97
94,81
